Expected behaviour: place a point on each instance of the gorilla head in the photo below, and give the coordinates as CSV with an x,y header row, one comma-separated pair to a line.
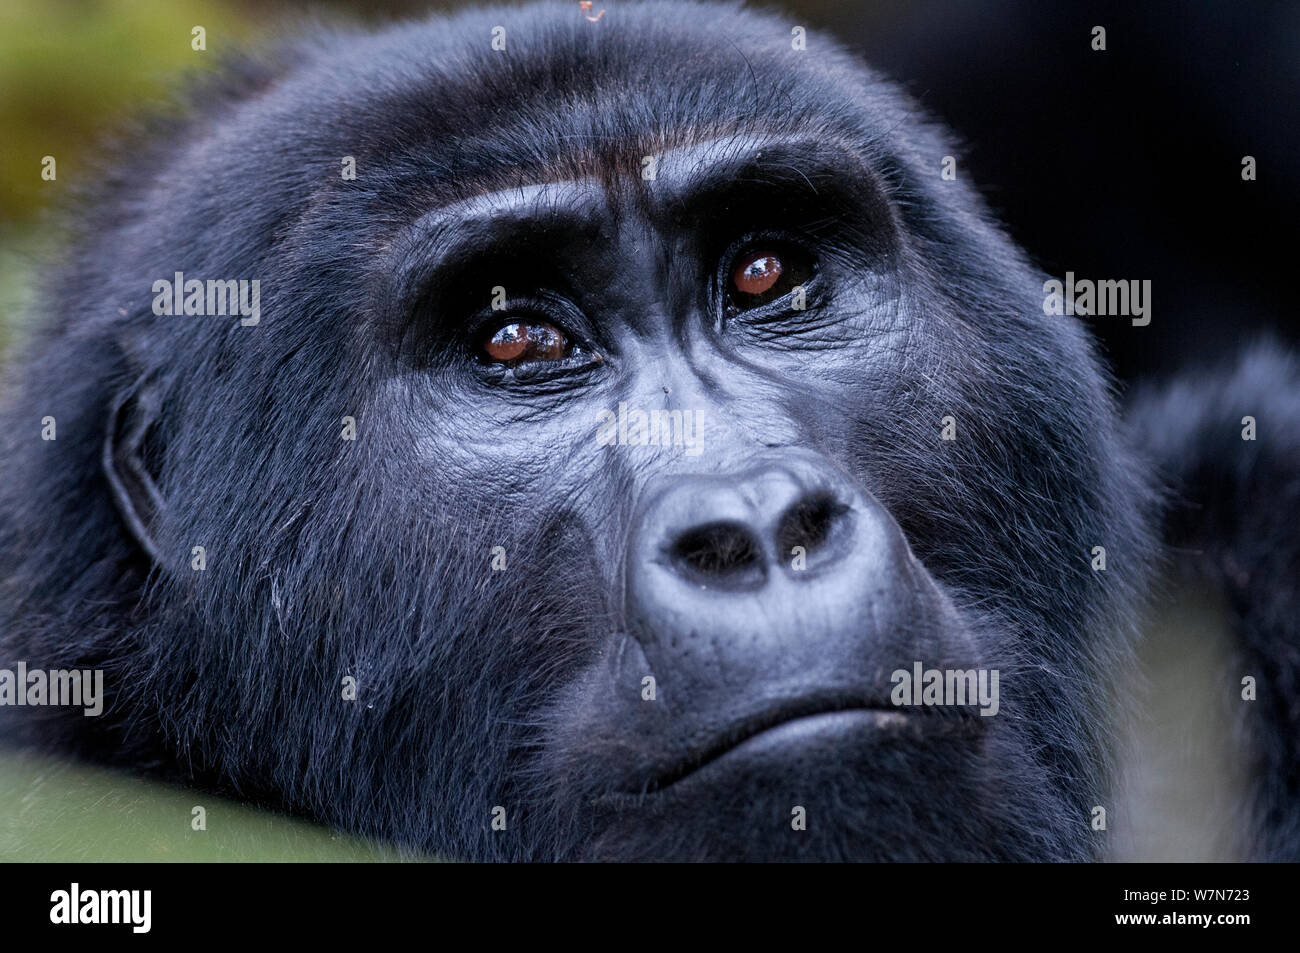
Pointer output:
x,y
643,402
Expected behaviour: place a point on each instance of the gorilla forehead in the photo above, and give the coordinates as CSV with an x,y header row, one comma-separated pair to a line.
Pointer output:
x,y
435,96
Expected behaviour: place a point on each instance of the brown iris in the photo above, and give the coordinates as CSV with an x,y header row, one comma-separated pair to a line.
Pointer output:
x,y
526,341
765,273
757,272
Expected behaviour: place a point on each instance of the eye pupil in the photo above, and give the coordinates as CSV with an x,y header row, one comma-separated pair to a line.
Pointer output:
x,y
520,341
757,272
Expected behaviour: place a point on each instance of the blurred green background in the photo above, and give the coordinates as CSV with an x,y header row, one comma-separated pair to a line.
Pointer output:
x,y
51,810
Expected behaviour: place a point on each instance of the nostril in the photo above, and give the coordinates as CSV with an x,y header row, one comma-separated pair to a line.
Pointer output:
x,y
721,552
810,523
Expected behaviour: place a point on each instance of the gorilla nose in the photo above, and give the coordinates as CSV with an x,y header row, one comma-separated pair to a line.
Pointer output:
x,y
733,537
786,565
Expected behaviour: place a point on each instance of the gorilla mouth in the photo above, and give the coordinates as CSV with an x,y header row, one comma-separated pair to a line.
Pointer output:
x,y
822,719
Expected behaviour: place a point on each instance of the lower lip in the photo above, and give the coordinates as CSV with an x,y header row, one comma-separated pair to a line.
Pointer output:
x,y
823,727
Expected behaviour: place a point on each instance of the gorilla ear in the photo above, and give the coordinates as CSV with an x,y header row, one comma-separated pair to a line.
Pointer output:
x,y
131,418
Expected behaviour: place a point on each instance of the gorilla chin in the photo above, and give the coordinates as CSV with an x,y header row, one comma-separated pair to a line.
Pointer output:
x,y
841,769
442,600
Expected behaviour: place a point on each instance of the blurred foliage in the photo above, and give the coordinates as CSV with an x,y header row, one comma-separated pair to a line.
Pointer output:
x,y
69,70
53,810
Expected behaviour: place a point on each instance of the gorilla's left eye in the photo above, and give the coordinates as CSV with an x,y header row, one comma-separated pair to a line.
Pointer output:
x,y
760,274
521,341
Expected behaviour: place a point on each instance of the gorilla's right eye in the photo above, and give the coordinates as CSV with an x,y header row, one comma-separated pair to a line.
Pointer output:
x,y
522,341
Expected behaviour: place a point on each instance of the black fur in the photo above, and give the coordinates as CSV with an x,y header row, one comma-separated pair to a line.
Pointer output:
x,y
329,558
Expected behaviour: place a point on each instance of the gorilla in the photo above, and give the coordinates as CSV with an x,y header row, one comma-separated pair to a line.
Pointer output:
x,y
613,419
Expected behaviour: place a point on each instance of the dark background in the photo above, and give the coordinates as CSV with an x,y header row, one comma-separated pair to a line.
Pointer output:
x,y
1124,163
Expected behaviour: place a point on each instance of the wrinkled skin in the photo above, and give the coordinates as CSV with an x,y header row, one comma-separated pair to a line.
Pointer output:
x,y
524,687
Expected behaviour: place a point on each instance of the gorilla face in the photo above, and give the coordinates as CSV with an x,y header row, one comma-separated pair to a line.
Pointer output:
x,y
690,404
679,382
753,594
